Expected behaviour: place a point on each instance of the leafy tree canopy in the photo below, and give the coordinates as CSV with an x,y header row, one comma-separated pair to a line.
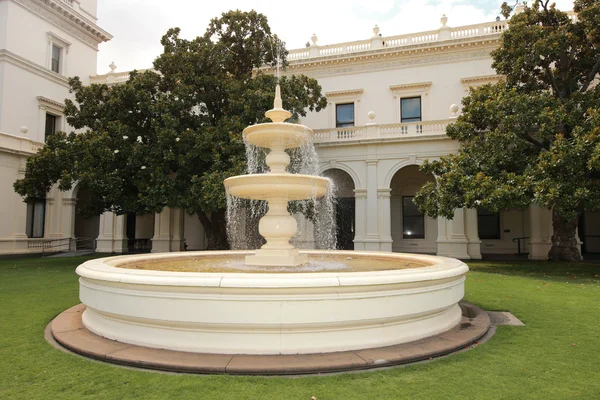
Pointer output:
x,y
533,137
168,137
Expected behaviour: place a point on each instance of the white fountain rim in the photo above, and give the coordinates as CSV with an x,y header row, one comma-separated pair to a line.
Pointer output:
x,y
106,269
276,126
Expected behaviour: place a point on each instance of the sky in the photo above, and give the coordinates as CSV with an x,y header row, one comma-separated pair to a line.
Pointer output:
x,y
138,25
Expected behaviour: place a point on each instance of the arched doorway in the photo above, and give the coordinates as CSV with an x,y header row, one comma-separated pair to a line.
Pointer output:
x,y
86,228
345,209
412,232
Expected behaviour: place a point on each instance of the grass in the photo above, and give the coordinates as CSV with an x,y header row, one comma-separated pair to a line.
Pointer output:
x,y
555,356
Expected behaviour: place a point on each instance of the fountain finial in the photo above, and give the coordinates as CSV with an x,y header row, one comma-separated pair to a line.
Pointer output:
x,y
278,114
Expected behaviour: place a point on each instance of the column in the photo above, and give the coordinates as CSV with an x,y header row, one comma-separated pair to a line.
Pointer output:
x,y
540,235
360,218
452,241
168,231
112,235
19,212
372,237
385,219
177,231
161,241
68,219
120,244
472,232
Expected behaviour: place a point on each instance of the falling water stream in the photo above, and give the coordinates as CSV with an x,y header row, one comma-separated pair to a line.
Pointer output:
x,y
315,216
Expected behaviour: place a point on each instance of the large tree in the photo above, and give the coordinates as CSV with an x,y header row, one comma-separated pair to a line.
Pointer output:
x,y
168,138
533,137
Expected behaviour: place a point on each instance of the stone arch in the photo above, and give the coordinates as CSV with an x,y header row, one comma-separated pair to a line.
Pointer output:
x,y
346,169
397,167
345,207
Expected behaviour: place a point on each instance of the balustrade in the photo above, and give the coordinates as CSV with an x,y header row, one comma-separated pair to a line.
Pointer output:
x,y
386,131
488,28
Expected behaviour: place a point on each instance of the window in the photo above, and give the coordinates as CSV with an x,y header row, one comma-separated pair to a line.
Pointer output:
x,y
56,58
488,224
344,115
410,109
50,125
413,220
36,215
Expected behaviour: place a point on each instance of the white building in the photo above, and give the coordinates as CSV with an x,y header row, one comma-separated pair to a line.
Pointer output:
x,y
42,43
390,99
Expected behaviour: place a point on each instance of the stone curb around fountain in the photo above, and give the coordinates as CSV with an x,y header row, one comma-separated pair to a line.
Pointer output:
x,y
68,331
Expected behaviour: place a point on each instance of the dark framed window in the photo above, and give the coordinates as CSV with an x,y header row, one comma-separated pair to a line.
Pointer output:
x,y
488,224
36,217
413,220
50,125
56,58
410,109
344,115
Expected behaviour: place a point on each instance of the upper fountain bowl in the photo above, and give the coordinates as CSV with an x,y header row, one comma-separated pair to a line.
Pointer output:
x,y
277,186
278,135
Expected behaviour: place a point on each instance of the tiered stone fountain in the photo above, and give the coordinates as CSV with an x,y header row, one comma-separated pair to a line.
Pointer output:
x,y
277,187
270,303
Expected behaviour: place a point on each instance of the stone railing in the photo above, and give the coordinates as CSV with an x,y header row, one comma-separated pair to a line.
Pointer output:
x,y
378,42
111,78
386,131
19,144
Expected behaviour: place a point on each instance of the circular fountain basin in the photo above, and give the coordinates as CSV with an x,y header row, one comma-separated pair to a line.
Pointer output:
x,y
208,302
277,134
272,185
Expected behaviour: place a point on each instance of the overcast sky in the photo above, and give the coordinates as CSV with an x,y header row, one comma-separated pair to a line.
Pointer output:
x,y
137,25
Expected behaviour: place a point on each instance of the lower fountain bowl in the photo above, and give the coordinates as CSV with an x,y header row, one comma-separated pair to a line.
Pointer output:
x,y
271,312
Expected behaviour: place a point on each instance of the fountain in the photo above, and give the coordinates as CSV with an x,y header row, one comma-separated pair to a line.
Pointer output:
x,y
276,300
277,187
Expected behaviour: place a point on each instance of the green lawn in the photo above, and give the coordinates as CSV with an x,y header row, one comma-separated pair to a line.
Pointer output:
x,y
556,356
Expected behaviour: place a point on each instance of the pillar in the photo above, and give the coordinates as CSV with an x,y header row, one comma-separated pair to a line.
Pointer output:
x,y
68,219
472,233
112,235
540,235
19,212
452,240
177,235
372,238
360,218
385,219
168,231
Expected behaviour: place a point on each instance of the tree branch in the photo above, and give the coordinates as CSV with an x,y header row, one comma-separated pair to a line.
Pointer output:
x,y
590,78
535,142
555,87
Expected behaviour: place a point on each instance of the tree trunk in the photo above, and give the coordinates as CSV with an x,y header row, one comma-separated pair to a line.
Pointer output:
x,y
215,227
564,239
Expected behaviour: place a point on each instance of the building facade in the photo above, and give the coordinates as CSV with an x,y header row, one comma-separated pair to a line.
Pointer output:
x,y
389,102
42,43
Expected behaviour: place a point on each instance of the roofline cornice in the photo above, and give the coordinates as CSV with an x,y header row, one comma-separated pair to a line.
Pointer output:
x,y
67,19
428,53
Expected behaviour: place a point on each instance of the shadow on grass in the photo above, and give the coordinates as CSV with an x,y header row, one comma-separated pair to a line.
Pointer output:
x,y
564,271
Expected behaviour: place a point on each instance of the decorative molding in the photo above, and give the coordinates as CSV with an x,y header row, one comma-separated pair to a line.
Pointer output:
x,y
344,93
67,19
411,86
389,60
18,61
59,41
475,81
53,105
